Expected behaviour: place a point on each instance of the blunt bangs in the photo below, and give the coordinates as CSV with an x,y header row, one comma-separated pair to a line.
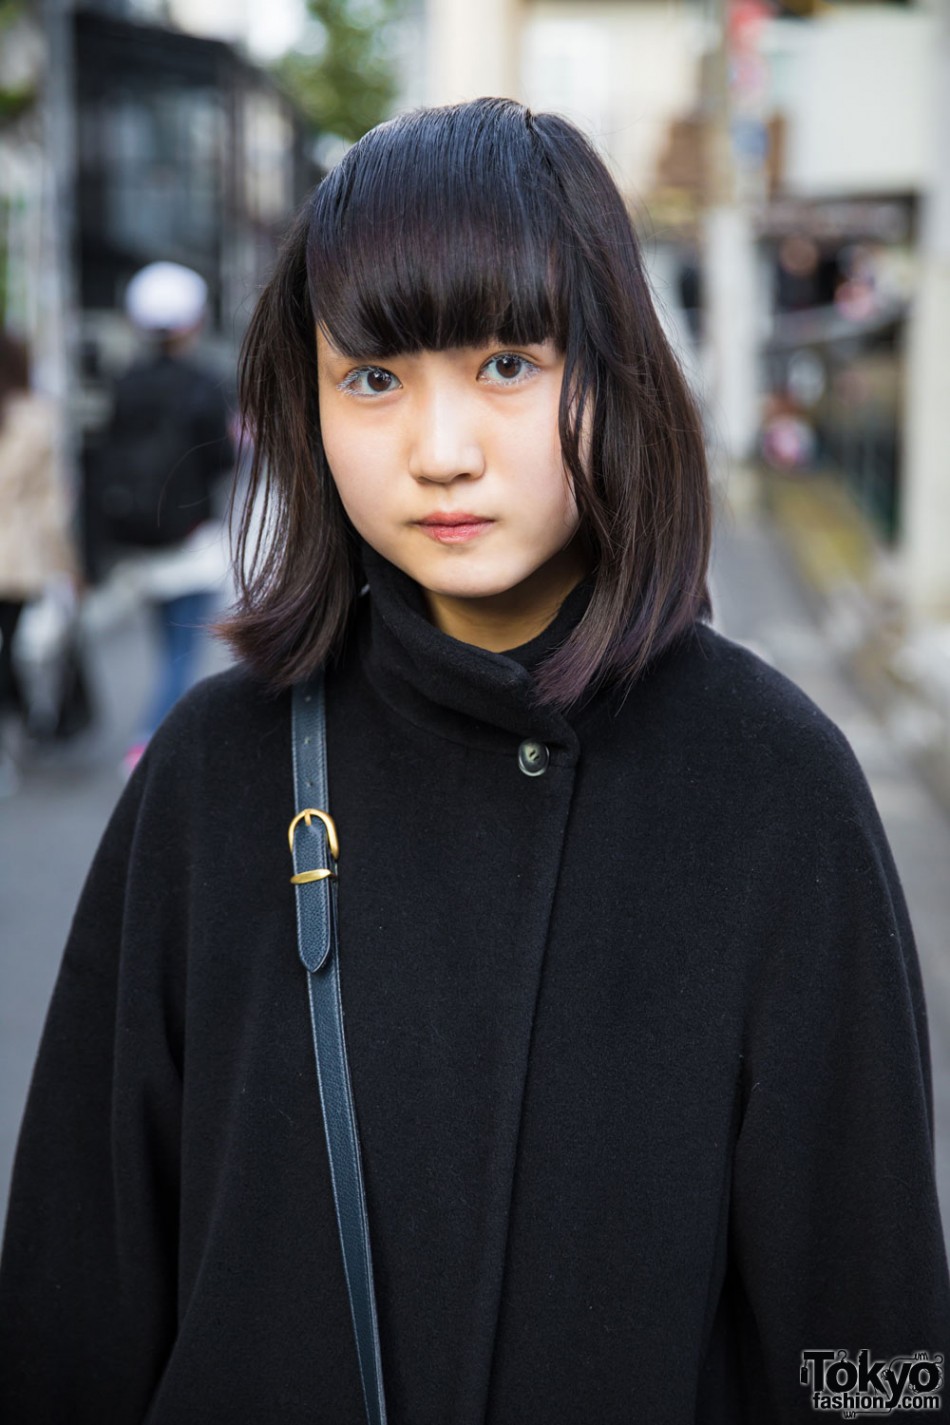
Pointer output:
x,y
434,232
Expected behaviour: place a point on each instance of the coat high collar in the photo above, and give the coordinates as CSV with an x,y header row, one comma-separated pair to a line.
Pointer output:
x,y
454,688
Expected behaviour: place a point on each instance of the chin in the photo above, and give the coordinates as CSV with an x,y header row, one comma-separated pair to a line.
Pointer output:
x,y
469,583
464,588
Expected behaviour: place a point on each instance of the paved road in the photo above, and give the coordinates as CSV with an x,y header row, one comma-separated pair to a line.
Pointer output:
x,y
65,802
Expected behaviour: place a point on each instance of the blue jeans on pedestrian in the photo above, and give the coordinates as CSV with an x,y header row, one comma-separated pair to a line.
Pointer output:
x,y
181,627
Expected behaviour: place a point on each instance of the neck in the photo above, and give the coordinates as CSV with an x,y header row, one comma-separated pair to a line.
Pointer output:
x,y
497,622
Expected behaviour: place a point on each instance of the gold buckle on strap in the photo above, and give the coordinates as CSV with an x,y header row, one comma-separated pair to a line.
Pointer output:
x,y
303,878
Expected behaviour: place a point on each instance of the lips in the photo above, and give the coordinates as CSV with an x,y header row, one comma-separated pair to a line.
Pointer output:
x,y
454,528
445,520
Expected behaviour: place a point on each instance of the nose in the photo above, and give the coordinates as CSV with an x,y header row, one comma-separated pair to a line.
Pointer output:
x,y
444,442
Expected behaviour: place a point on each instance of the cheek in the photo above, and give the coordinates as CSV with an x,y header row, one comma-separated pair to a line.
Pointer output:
x,y
358,499
353,494
537,457
352,467
559,484
340,472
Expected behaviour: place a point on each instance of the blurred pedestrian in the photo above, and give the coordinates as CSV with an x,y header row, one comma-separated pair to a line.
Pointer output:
x,y
36,547
165,456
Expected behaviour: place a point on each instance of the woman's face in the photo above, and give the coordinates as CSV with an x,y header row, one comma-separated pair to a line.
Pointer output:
x,y
418,443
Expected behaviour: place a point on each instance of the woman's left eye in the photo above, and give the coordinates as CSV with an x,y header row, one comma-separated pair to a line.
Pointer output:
x,y
510,369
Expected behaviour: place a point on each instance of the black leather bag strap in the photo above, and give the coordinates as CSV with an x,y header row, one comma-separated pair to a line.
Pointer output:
x,y
315,850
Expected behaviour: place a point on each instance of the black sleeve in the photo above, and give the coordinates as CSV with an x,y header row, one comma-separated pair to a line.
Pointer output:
x,y
835,1223
87,1280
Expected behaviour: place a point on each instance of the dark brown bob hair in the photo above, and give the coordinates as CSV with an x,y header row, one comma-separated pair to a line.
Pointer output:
x,y
462,226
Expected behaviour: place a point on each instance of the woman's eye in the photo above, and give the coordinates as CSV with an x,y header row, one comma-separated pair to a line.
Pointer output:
x,y
510,370
369,381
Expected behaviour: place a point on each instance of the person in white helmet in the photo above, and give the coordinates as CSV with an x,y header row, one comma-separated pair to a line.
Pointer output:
x,y
166,449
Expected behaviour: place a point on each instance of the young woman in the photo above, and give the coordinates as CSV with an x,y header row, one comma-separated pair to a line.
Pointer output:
x,y
633,1012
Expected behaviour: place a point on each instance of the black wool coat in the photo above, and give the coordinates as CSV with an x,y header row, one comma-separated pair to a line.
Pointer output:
x,y
638,1047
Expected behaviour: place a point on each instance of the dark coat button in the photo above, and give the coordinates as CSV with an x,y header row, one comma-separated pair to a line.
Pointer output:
x,y
533,758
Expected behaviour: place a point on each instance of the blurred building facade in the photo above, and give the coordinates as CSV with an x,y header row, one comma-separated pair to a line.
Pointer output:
x,y
185,151
143,142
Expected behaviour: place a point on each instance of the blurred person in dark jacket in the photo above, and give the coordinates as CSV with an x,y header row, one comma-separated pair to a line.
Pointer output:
x,y
35,543
166,452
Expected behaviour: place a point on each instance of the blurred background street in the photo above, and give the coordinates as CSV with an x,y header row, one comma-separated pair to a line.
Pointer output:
x,y
787,163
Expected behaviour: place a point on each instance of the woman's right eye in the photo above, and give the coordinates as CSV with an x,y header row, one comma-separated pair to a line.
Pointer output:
x,y
369,381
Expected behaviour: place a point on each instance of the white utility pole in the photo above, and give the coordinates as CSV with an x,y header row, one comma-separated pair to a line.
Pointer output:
x,y
731,295
473,50
925,522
